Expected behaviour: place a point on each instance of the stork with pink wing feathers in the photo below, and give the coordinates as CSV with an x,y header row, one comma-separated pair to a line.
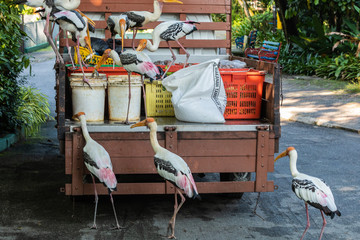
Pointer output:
x,y
312,190
172,168
98,162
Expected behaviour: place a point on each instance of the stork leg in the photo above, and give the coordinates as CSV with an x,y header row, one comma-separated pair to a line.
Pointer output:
x,y
171,63
69,51
96,203
133,40
308,221
144,94
50,40
324,224
112,203
79,57
186,52
176,210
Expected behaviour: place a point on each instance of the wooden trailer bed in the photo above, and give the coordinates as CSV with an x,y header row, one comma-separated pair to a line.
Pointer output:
x,y
216,150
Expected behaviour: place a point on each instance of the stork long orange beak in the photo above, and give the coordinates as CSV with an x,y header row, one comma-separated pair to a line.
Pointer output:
x,y
88,44
283,154
172,1
139,124
122,24
103,59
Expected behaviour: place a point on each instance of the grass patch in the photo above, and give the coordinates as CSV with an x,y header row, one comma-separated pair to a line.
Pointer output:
x,y
353,87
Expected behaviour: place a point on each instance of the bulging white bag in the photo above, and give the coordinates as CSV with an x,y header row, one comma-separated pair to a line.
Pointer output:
x,y
198,93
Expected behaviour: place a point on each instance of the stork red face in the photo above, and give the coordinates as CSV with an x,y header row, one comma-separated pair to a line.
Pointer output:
x,y
142,45
77,116
285,153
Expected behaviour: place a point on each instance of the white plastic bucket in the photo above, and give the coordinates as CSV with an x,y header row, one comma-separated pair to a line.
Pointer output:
x,y
118,97
87,100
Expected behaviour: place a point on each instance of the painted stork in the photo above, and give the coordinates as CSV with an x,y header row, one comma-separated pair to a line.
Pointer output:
x,y
169,31
118,24
78,25
172,168
312,190
98,162
139,19
51,6
132,61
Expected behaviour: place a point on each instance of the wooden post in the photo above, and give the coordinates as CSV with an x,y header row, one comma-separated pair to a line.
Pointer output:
x,y
262,154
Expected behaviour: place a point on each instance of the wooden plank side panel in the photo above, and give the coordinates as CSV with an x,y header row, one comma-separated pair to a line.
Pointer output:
x,y
221,164
78,164
216,148
127,188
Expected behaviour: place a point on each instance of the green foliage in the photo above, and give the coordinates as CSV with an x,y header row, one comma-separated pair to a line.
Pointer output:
x,y
344,67
12,62
296,61
262,22
33,110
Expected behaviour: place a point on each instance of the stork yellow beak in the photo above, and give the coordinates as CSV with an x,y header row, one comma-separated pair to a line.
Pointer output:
x,y
283,154
103,59
173,1
88,44
139,124
122,24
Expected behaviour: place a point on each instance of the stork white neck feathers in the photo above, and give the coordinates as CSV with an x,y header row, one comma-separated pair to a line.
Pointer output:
x,y
153,46
153,136
115,57
84,129
293,159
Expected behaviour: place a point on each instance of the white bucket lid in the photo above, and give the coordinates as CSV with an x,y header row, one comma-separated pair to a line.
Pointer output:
x,y
121,80
79,77
77,80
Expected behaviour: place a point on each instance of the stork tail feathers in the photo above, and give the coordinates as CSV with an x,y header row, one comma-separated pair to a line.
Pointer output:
x,y
192,22
107,176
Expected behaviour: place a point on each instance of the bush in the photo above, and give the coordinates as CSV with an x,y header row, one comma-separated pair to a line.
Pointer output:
x,y
12,62
33,110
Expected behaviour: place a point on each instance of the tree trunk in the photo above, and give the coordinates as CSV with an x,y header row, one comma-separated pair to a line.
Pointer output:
x,y
289,25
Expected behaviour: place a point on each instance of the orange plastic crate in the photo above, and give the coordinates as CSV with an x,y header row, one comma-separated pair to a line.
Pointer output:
x,y
244,91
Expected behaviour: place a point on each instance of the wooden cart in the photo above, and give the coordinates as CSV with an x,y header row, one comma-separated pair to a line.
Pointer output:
x,y
220,151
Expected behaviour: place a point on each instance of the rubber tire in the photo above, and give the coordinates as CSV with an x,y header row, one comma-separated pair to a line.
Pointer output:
x,y
239,176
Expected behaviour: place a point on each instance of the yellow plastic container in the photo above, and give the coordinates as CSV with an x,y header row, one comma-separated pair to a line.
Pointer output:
x,y
158,100
84,52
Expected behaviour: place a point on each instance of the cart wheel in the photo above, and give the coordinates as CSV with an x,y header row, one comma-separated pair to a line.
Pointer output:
x,y
239,176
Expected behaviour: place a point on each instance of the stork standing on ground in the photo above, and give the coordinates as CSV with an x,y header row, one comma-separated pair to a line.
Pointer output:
x,y
51,7
132,61
169,31
78,25
312,190
98,162
172,168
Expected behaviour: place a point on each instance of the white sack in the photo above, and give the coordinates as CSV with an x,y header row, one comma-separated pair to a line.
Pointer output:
x,y
198,93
